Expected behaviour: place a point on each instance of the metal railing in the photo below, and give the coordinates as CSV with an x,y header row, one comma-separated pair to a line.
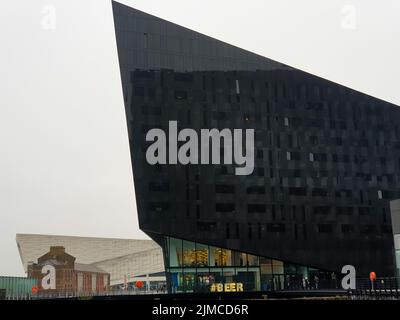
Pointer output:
x,y
81,295
385,288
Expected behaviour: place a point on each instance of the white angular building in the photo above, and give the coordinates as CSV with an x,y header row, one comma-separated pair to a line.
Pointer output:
x,y
126,260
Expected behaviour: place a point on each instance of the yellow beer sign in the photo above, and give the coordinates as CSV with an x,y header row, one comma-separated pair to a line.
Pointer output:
x,y
226,287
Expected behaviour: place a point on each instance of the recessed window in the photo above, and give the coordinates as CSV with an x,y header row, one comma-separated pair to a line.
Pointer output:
x,y
319,192
347,228
325,228
322,210
225,207
275,227
313,140
223,188
145,41
293,155
180,95
206,226
183,77
254,208
286,121
368,229
297,191
344,210
256,190
158,206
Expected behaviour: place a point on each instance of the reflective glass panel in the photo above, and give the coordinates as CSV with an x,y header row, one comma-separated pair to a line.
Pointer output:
x,y
252,260
189,254
202,255
220,257
175,252
240,259
189,279
277,267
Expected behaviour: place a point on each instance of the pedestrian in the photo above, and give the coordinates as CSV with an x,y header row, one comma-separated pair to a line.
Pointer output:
x,y
316,282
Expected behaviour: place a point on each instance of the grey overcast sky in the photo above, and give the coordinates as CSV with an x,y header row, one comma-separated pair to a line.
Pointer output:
x,y
64,157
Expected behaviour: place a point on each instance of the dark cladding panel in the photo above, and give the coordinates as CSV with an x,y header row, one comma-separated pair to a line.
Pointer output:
x,y
326,157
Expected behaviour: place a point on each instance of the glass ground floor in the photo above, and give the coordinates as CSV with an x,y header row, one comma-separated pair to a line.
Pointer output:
x,y
196,267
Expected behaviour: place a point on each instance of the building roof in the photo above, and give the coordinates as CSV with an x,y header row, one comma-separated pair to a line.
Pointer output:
x,y
88,268
87,250
121,258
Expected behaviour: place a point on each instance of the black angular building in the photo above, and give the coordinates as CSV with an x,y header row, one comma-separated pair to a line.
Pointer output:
x,y
326,164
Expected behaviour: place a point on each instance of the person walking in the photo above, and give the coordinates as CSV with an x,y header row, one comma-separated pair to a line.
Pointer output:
x,y
316,282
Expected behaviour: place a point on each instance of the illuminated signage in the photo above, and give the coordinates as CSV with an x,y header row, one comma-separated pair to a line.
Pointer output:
x,y
226,287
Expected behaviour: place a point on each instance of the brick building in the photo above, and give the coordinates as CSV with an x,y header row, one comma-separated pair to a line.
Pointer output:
x,y
70,277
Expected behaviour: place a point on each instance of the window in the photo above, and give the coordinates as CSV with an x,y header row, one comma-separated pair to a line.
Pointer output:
x,y
189,254
256,190
201,255
293,156
183,77
286,121
220,257
253,208
325,228
260,172
363,211
295,173
368,229
158,206
181,95
322,210
225,207
252,260
240,259
145,40
250,231
313,140
175,252
344,210
206,226
141,74
318,192
223,188
275,227
321,157
343,193
347,228
297,191
219,115
338,141
237,87
222,170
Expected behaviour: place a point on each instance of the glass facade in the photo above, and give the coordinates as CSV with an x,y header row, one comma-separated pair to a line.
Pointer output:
x,y
397,254
196,267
